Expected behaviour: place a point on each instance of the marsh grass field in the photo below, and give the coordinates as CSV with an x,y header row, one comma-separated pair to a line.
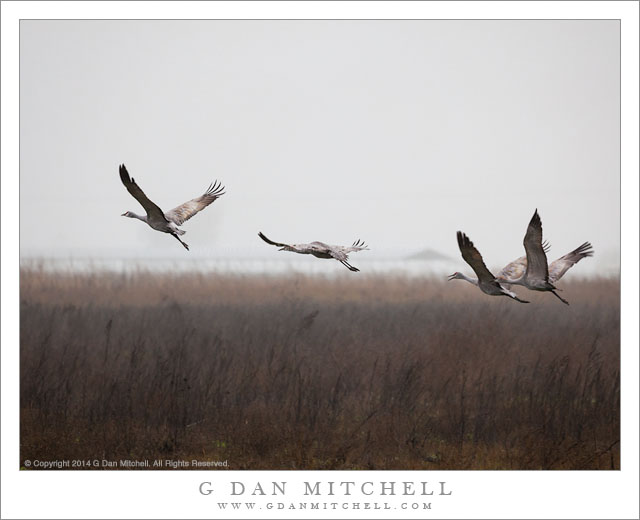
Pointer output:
x,y
295,372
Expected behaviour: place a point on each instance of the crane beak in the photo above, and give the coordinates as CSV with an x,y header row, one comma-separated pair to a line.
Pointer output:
x,y
451,277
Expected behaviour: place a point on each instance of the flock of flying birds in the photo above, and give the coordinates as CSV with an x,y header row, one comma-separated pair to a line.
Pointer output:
x,y
531,271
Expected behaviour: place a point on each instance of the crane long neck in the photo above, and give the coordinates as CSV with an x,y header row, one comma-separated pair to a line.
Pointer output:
x,y
474,281
139,217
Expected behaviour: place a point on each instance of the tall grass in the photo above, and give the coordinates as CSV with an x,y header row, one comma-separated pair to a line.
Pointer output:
x,y
300,372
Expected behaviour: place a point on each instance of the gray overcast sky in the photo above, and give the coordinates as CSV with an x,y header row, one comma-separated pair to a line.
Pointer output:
x,y
396,132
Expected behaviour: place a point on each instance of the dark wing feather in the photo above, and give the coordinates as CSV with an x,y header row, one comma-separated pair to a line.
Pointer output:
x,y
536,257
358,245
153,211
263,237
473,257
184,212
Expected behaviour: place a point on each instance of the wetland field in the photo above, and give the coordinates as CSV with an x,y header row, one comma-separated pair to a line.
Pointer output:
x,y
311,372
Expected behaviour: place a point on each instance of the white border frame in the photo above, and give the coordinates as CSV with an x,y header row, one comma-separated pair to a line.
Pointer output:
x,y
163,494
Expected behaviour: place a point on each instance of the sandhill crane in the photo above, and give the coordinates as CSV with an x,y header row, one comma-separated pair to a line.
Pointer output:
x,y
485,281
168,222
557,268
516,269
536,274
321,250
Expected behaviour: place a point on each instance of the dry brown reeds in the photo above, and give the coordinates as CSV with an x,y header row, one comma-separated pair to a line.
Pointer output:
x,y
298,372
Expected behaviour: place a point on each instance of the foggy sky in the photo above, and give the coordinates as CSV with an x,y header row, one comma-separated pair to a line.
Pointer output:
x,y
396,132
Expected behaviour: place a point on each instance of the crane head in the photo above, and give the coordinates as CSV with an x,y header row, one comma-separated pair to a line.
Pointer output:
x,y
455,276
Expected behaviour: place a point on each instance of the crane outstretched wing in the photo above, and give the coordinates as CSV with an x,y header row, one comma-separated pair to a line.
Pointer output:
x,y
184,212
536,257
473,257
558,267
153,211
268,241
513,270
516,269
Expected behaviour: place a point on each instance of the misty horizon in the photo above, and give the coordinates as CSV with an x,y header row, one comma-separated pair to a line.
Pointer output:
x,y
399,133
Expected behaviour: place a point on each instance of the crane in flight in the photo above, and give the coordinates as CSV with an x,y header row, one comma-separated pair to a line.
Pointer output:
x,y
168,222
321,250
557,268
516,269
486,282
536,273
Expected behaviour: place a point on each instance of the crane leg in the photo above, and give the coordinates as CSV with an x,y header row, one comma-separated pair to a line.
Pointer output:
x,y
350,267
178,239
559,297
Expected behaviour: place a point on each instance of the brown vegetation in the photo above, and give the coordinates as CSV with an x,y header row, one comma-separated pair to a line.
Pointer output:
x,y
298,372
